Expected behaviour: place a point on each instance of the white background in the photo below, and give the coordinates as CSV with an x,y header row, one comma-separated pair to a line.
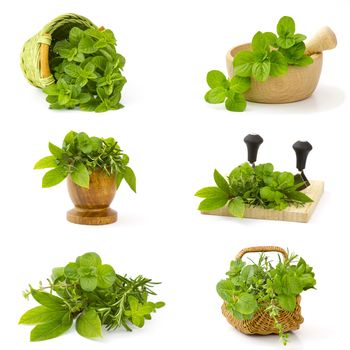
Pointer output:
x,y
175,140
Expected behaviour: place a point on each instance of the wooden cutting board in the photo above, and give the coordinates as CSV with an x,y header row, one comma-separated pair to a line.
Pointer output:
x,y
296,214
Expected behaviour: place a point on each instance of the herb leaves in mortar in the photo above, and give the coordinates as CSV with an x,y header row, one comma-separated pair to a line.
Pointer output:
x,y
248,186
270,55
87,70
251,287
94,295
80,155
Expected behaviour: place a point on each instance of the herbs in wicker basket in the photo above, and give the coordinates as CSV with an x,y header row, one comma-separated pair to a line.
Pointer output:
x,y
260,286
252,186
88,72
80,155
92,294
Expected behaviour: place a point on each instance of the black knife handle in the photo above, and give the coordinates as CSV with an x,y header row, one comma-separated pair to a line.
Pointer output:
x,y
253,142
302,149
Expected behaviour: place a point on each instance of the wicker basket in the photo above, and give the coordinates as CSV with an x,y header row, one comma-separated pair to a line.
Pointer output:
x,y
36,51
262,323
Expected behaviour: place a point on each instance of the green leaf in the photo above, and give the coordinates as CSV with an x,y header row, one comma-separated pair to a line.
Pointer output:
x,y
216,79
55,151
105,276
286,26
46,162
88,284
48,300
210,192
235,102
291,285
84,143
225,289
54,177
270,38
71,271
243,63
75,35
216,95
299,38
51,329
236,207
212,203
259,44
221,182
88,324
261,70
57,272
41,314
246,304
247,273
80,175
299,197
240,84
130,178
287,302
73,70
89,259
120,177
303,61
68,139
286,42
279,64
86,45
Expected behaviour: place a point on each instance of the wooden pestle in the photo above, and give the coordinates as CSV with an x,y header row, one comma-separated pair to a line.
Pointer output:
x,y
324,39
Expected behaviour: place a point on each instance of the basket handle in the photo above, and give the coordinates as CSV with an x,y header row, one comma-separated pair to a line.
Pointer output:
x,y
262,249
44,57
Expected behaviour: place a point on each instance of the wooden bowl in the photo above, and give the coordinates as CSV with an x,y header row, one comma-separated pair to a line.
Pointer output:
x,y
297,84
92,204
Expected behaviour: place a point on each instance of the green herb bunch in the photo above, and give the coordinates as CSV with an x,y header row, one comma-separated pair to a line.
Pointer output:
x,y
270,55
88,71
252,186
252,287
94,295
80,155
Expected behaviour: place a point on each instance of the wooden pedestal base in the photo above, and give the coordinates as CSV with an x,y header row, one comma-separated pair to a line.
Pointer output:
x,y
297,214
92,216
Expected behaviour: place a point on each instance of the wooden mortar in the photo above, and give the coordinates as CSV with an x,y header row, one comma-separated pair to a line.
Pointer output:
x,y
298,83
92,204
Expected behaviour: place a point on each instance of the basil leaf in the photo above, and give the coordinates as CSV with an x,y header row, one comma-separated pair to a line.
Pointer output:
x,y
246,304
46,162
80,175
54,177
88,324
41,314
236,207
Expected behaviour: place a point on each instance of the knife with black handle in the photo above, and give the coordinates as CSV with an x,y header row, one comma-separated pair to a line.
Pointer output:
x,y
253,142
302,150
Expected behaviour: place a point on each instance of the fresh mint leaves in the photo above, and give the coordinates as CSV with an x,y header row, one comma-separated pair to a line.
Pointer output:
x,y
270,55
247,186
88,72
93,294
80,155
260,286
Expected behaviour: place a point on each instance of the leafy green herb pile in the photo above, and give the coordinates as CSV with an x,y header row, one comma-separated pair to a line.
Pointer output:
x,y
80,155
270,55
87,69
94,295
248,186
251,287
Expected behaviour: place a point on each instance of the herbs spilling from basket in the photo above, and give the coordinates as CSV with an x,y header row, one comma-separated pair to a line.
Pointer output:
x,y
258,186
270,55
93,294
88,72
254,287
80,155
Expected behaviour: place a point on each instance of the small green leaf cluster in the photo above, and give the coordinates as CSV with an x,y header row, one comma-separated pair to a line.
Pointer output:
x,y
252,186
80,155
88,72
94,295
252,287
270,55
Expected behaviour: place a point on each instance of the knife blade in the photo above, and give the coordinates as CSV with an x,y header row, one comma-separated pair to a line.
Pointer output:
x,y
302,150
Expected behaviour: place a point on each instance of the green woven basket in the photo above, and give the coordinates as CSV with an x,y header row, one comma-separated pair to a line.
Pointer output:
x,y
36,52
